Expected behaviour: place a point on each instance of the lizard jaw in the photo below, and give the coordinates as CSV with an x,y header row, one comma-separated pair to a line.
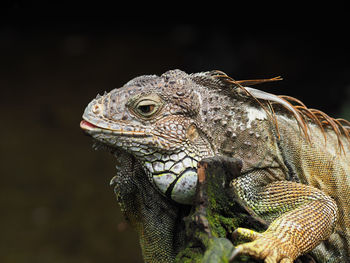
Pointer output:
x,y
173,174
87,126
90,128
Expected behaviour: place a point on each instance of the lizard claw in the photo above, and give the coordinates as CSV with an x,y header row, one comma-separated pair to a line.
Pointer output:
x,y
265,246
236,252
286,260
113,180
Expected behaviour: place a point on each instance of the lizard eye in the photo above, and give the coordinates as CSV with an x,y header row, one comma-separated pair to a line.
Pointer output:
x,y
147,107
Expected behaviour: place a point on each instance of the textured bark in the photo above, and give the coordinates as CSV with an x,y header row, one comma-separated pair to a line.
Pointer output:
x,y
215,215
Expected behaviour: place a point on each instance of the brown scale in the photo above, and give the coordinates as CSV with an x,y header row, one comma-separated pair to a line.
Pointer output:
x,y
321,119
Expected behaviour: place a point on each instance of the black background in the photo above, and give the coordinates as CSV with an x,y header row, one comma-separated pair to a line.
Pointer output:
x,y
55,200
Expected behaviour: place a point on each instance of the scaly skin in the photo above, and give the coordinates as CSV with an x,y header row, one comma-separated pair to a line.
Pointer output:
x,y
156,220
295,174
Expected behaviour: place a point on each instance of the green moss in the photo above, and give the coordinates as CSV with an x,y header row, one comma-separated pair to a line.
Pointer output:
x,y
220,214
200,241
195,249
219,250
220,225
212,222
189,254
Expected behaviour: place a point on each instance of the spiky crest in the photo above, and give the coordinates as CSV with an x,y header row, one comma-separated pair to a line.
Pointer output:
x,y
301,113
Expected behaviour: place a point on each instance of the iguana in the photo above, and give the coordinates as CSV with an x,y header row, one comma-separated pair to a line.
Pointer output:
x,y
295,161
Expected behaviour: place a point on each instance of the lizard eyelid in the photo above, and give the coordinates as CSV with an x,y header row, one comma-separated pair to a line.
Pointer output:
x,y
147,106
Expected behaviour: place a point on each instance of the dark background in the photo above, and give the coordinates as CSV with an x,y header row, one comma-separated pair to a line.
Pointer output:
x,y
55,199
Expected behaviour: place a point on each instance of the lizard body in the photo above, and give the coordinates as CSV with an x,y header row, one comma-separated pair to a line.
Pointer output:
x,y
295,173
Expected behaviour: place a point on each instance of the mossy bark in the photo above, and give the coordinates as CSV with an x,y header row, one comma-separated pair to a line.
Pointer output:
x,y
216,214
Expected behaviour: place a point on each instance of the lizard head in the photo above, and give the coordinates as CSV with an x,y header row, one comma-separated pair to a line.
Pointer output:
x,y
156,120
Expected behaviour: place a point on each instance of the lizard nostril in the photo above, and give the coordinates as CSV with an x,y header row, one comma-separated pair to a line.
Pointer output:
x,y
96,109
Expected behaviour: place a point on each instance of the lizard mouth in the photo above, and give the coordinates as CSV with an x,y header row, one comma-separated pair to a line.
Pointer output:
x,y
87,126
121,130
94,131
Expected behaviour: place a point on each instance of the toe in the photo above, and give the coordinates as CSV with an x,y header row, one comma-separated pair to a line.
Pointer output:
x,y
246,234
286,260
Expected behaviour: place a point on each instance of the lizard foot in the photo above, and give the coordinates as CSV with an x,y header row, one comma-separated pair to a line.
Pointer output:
x,y
268,246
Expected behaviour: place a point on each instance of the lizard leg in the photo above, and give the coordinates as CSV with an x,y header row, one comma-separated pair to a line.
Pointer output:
x,y
300,217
